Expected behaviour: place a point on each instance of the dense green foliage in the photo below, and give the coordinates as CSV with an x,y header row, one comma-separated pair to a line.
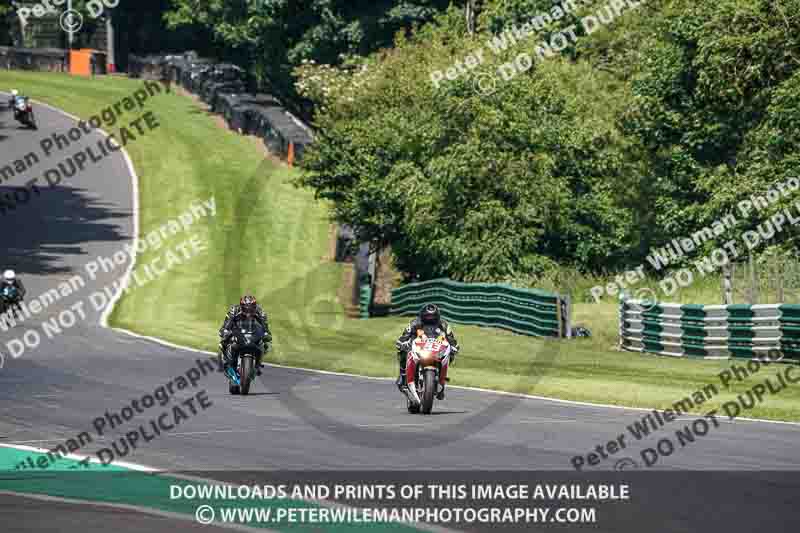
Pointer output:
x,y
711,106
140,27
5,29
470,187
643,131
272,37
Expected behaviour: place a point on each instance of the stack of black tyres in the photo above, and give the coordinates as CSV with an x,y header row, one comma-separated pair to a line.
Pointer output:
x,y
194,75
173,65
299,137
224,87
148,67
226,102
271,125
215,90
224,77
245,116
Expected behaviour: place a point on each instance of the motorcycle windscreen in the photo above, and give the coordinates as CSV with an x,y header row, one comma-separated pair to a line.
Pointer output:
x,y
251,327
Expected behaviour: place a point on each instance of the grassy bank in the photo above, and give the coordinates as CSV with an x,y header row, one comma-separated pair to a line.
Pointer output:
x,y
280,239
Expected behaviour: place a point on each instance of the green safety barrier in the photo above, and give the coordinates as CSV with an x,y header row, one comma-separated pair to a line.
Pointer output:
x,y
790,330
365,300
710,331
526,311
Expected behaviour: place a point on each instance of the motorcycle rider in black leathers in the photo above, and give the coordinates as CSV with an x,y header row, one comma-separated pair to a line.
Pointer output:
x,y
15,99
247,308
429,316
12,102
10,279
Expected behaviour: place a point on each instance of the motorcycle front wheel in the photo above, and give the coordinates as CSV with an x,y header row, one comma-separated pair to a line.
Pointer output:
x,y
429,380
246,374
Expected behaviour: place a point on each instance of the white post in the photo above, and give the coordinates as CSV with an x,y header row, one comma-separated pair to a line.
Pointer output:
x,y
110,62
727,285
69,33
470,14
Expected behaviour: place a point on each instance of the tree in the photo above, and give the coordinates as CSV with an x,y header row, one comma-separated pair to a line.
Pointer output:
x,y
473,188
707,78
272,37
5,25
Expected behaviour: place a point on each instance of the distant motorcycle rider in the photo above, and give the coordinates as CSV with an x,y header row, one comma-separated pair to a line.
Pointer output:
x,y
12,103
247,308
19,104
10,280
429,316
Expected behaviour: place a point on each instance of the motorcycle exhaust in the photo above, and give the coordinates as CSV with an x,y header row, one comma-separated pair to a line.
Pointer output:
x,y
412,394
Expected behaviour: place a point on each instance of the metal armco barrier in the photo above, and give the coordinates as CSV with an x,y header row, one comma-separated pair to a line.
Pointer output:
x,y
526,311
710,331
38,59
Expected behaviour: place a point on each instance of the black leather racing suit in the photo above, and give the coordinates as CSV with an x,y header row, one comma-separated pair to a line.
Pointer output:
x,y
233,316
20,293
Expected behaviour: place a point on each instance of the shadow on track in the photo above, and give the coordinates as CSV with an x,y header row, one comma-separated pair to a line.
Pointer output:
x,y
60,222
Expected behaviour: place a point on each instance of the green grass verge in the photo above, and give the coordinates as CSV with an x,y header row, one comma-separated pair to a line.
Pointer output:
x,y
282,236
112,484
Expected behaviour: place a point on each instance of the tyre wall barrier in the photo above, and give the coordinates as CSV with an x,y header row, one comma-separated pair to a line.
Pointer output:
x,y
240,111
224,87
215,91
710,331
146,68
526,311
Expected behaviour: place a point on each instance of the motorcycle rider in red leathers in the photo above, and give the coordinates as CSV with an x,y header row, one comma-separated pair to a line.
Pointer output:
x,y
429,316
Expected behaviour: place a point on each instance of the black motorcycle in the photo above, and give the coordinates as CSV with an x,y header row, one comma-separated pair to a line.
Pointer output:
x,y
244,350
23,112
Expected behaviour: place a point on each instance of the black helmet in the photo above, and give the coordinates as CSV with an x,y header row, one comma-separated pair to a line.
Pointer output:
x,y
248,305
429,315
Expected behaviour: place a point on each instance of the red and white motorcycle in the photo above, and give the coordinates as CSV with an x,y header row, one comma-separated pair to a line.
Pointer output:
x,y
426,370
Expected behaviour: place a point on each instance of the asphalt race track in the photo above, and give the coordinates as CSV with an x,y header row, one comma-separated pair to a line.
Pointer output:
x,y
293,419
